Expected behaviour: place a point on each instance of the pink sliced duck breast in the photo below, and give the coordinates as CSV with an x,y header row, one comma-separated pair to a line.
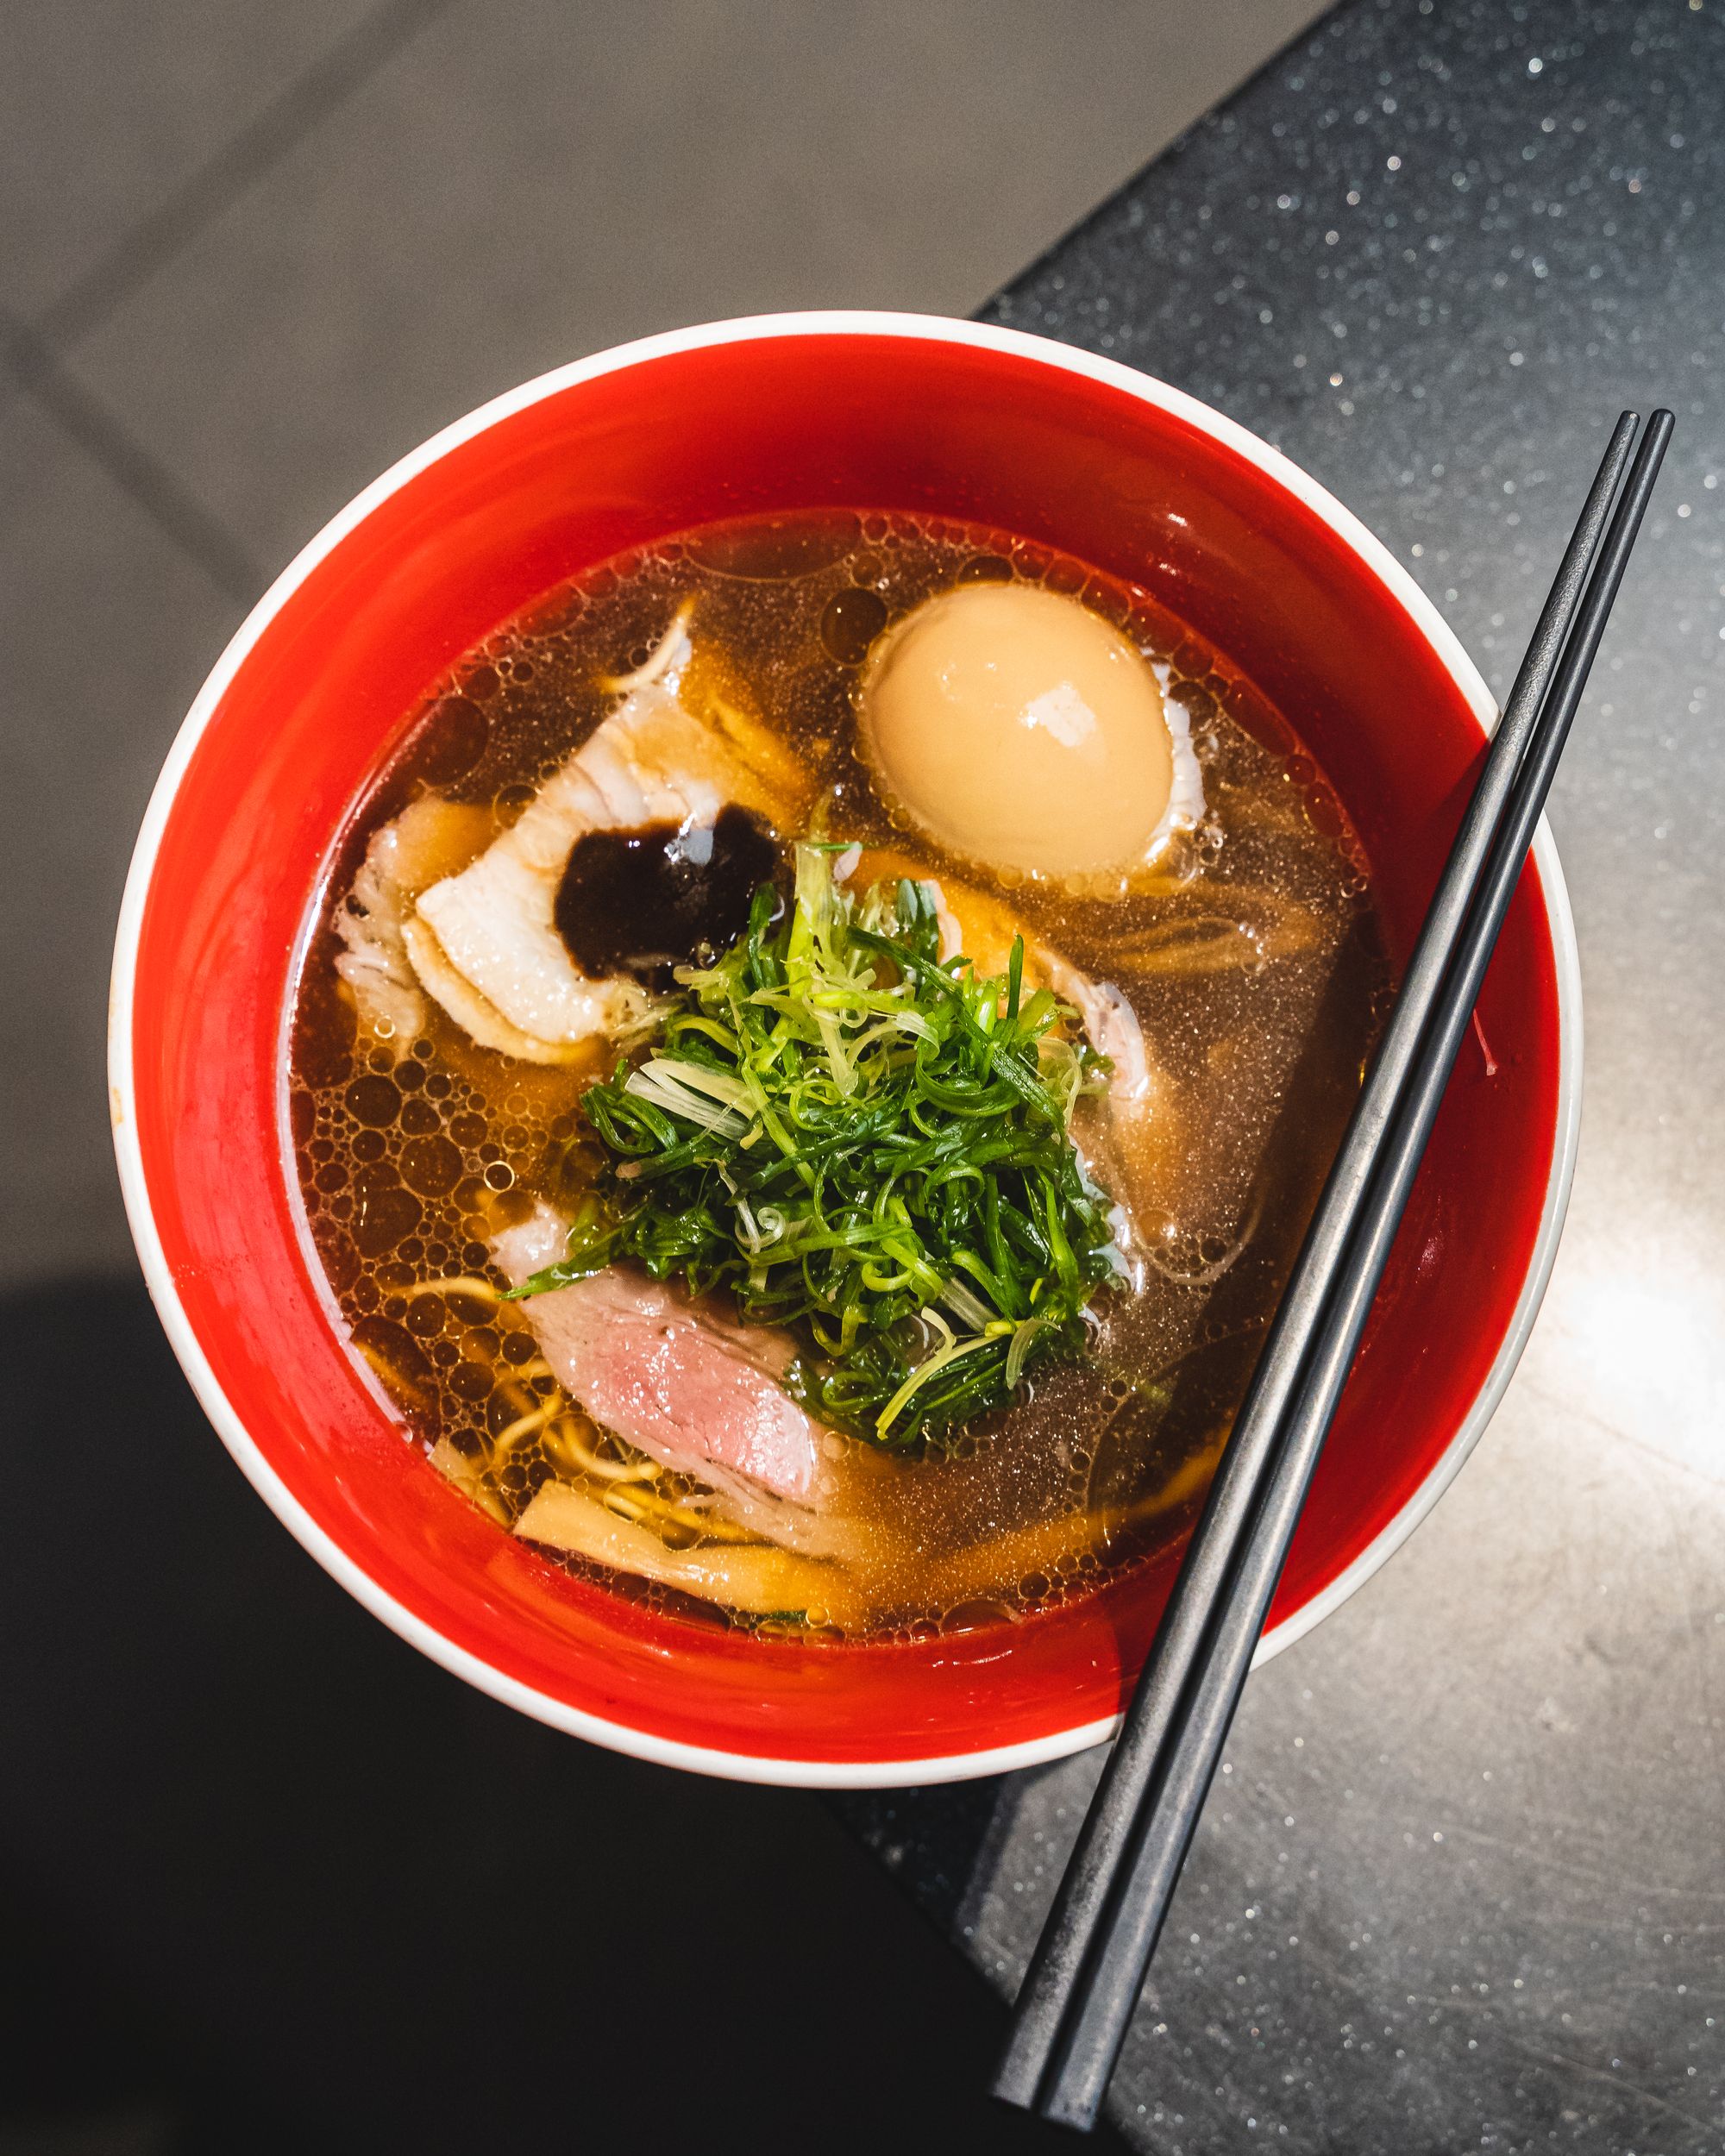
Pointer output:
x,y
678,1381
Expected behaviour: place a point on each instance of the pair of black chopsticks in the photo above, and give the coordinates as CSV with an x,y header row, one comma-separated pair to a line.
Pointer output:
x,y
1084,1982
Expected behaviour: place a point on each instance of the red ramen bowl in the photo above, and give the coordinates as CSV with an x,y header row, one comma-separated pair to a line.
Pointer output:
x,y
870,410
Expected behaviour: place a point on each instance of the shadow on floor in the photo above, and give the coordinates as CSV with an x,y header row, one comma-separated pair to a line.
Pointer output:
x,y
270,1880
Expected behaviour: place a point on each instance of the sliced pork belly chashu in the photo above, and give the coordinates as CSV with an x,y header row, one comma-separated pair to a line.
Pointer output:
x,y
485,943
482,940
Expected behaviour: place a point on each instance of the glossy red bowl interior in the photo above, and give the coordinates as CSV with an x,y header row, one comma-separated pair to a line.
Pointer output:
x,y
865,413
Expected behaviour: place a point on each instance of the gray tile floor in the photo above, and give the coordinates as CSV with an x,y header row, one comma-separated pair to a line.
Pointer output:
x,y
250,255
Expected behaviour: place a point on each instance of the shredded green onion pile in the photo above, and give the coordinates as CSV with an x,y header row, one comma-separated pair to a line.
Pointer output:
x,y
863,1143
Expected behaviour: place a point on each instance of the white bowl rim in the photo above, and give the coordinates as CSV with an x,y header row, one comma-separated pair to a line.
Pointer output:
x,y
617,1736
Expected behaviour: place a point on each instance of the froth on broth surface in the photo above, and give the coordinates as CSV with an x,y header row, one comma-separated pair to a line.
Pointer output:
x,y
1247,952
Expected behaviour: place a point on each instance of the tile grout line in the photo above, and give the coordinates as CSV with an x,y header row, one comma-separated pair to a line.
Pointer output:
x,y
35,368
40,373
153,240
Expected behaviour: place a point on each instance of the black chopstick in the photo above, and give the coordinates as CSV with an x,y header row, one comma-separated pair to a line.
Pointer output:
x,y
1083,1903
1078,1995
1098,2025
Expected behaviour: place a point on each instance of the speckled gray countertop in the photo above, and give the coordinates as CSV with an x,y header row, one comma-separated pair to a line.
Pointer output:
x,y
1462,1883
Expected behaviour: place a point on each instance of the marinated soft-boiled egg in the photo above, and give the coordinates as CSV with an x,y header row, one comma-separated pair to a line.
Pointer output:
x,y
1016,727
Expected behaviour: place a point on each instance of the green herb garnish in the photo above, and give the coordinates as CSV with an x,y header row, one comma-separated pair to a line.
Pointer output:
x,y
861,1142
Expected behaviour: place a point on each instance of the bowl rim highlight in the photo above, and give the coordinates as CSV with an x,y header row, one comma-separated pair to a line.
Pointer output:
x,y
619,1735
